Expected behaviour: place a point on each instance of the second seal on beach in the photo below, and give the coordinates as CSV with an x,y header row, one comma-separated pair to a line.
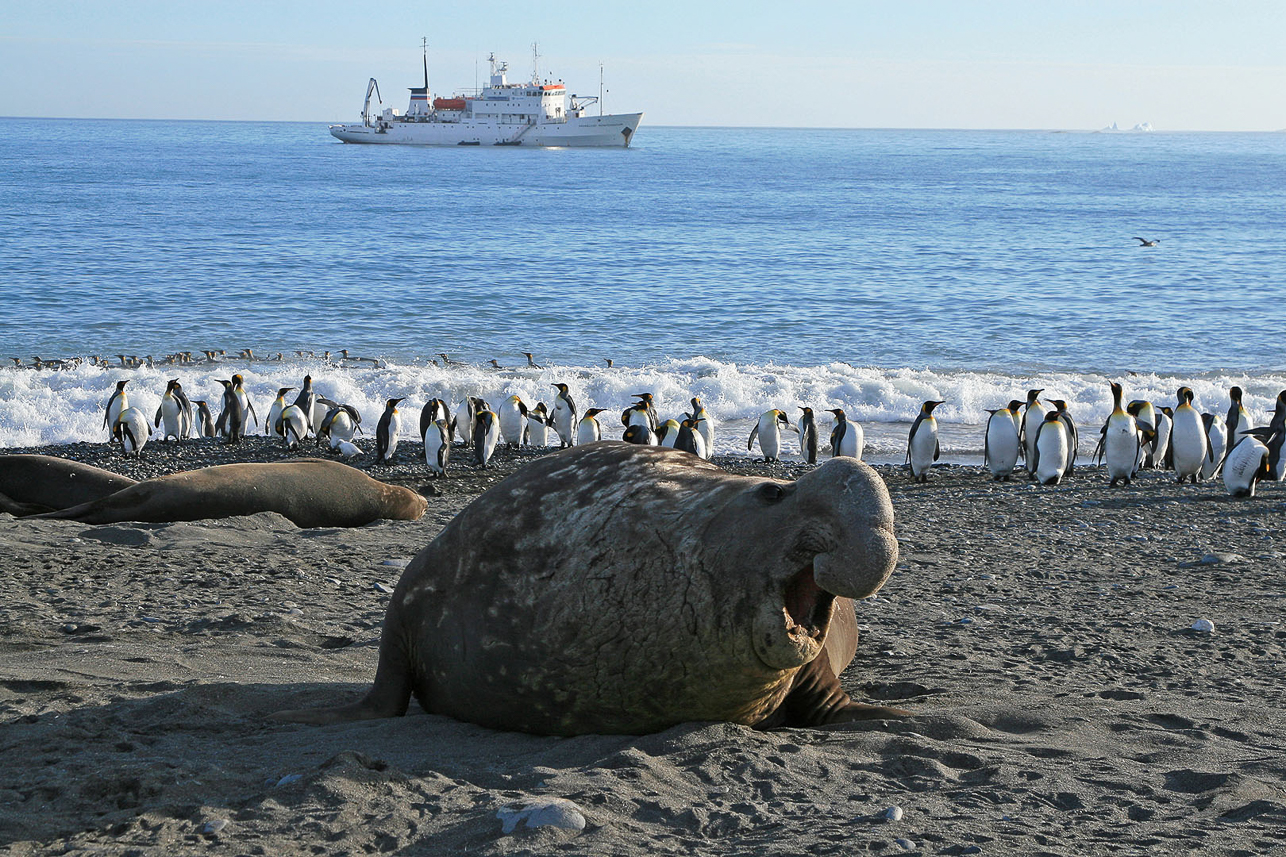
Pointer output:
x,y
311,492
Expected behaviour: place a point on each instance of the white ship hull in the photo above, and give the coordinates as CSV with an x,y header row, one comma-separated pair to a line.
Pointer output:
x,y
602,131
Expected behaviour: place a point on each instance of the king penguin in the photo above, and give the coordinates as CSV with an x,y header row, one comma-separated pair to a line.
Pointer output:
x,y
808,436
705,425
339,425
667,433
588,430
922,447
306,401
292,425
689,439
565,417
768,430
230,419
434,410
637,415
204,421
171,413
1247,463
1161,449
1000,446
274,412
387,431
1216,441
1145,417
486,434
437,446
1033,416
847,437
647,400
118,402
1073,436
1187,438
132,430
513,422
1119,442
639,435
538,425
1239,421
1276,466
247,407
1052,450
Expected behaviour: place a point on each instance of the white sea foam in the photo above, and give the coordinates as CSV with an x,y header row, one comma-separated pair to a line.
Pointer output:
x,y
55,407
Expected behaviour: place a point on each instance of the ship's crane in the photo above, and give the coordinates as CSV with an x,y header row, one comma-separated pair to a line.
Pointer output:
x,y
366,105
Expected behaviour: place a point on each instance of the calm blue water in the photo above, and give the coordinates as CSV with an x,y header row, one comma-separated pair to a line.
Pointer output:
x,y
1006,256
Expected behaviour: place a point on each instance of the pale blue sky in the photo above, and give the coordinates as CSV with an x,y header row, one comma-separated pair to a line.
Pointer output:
x,y
1183,65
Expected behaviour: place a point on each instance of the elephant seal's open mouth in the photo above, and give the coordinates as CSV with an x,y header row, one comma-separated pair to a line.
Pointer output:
x,y
808,606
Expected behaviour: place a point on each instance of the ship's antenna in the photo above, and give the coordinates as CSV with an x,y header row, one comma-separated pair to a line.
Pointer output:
x,y
600,89
424,44
535,65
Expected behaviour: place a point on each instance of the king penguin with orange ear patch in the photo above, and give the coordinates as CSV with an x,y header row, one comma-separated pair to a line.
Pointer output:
x,y
808,436
386,432
768,431
922,447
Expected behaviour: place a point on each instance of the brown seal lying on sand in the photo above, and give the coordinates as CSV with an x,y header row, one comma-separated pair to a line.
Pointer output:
x,y
310,492
618,588
30,484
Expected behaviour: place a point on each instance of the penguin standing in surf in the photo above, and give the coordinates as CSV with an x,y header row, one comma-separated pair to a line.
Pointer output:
x,y
247,407
922,447
118,402
1238,422
1187,439
565,416
386,432
768,431
847,437
177,423
204,420
230,419
1120,442
307,402
434,410
808,436
1000,445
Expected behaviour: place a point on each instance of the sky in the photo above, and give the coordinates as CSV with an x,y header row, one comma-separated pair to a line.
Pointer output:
x,y
1178,65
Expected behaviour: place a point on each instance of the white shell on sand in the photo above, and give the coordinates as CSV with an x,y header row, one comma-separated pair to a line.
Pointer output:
x,y
1205,626
542,812
893,813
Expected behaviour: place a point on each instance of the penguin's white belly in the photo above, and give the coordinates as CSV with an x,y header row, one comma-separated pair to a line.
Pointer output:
x,y
538,433
588,432
1188,438
769,442
511,420
705,428
1002,446
1121,449
1217,437
853,443
923,445
1051,450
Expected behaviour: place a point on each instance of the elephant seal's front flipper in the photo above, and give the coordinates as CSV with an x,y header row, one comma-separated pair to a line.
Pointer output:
x,y
816,699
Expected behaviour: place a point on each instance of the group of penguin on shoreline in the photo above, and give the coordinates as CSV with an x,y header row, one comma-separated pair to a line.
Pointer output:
x,y
1135,436
1139,435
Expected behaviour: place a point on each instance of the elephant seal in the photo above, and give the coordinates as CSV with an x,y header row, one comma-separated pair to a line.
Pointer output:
x,y
619,588
31,484
310,492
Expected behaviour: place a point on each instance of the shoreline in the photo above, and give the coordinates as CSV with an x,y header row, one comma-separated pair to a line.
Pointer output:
x,y
1041,636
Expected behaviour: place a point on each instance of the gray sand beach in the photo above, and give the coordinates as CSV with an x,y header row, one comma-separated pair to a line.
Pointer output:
x,y
1063,703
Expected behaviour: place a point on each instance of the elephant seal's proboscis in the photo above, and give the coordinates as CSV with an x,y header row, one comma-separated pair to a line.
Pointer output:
x,y
618,588
310,492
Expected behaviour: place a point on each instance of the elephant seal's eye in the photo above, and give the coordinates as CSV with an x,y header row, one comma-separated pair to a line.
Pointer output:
x,y
771,492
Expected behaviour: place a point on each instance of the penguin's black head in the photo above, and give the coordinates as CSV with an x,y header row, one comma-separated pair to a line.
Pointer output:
x,y
227,385
562,388
1015,405
1051,416
120,385
1059,404
392,403
593,412
1168,411
284,390
646,397
930,405
1185,395
806,410
308,380
838,412
1032,394
1117,389
1235,394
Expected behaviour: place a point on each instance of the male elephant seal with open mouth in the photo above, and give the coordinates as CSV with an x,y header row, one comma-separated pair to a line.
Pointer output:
x,y
311,492
618,588
30,484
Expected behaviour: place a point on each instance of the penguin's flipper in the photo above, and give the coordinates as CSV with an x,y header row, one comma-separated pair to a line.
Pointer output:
x,y
986,449
158,416
754,433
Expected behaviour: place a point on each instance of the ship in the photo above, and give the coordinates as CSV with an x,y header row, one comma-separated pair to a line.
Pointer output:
x,y
536,113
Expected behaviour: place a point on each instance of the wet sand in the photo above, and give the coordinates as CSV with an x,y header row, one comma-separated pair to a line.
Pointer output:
x,y
1063,704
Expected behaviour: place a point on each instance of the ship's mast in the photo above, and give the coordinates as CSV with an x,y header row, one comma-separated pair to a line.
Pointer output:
x,y
600,89
535,65
424,44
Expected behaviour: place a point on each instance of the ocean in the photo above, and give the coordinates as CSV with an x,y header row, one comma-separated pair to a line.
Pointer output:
x,y
755,268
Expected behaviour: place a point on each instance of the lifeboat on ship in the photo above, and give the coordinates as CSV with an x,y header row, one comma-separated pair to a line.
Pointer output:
x,y
448,104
